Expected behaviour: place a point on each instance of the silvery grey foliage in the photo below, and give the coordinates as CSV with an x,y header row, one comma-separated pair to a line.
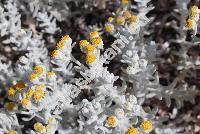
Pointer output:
x,y
141,73
47,22
139,57
8,121
168,131
10,21
50,91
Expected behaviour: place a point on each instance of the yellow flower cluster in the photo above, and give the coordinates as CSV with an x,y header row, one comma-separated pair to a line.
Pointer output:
x,y
39,93
93,34
194,12
90,58
25,102
11,92
112,121
31,92
51,74
110,19
39,127
133,18
190,23
193,18
127,14
120,20
55,53
38,70
36,92
18,87
10,106
96,41
132,130
33,76
124,2
109,28
60,45
12,132
147,126
90,48
83,43
126,17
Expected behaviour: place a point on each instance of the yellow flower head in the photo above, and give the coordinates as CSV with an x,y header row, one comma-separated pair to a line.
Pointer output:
x,y
51,74
94,34
120,20
112,121
39,93
39,127
12,132
61,43
124,2
38,97
127,14
29,93
147,126
194,8
38,69
109,28
83,43
194,15
11,92
20,85
25,102
132,130
90,48
110,19
33,76
96,41
65,37
39,87
90,58
133,18
10,106
190,23
55,53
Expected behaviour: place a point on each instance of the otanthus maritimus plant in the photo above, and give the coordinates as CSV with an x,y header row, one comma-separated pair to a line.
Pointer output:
x,y
64,70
